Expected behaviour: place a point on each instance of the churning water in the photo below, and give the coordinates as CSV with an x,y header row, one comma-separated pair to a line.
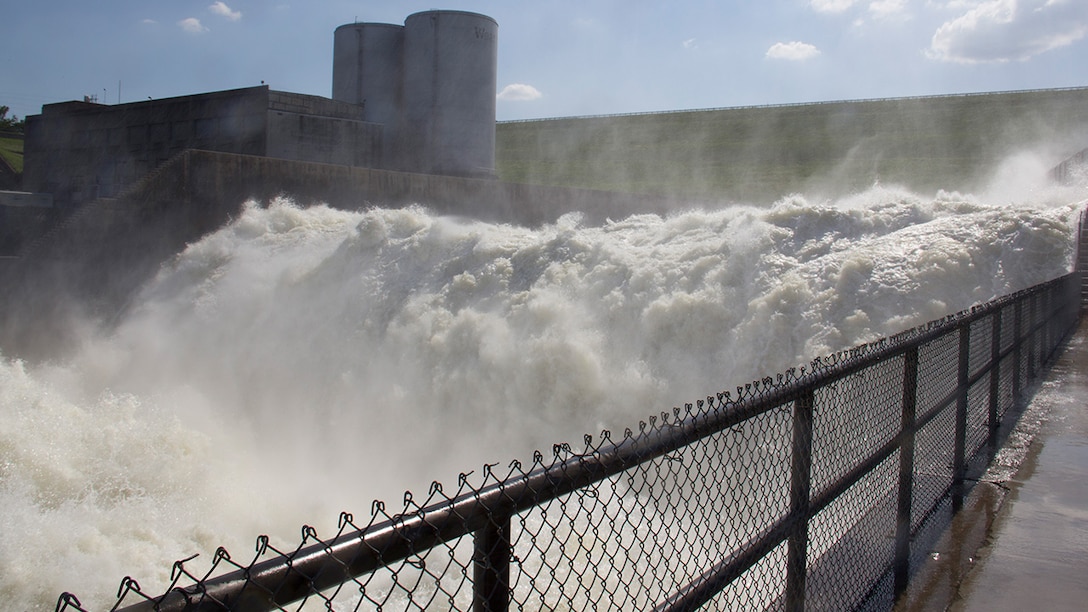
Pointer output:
x,y
297,363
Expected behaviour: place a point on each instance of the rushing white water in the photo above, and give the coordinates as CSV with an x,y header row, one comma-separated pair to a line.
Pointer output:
x,y
302,362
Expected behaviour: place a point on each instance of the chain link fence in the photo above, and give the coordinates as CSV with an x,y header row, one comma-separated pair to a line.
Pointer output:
x,y
818,489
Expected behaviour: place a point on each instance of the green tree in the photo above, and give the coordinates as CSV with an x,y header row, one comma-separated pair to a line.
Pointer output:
x,y
10,124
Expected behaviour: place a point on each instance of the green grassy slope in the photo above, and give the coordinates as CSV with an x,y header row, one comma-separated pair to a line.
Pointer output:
x,y
11,149
952,142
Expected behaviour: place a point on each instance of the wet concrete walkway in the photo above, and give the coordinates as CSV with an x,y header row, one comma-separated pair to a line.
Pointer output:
x,y
1021,542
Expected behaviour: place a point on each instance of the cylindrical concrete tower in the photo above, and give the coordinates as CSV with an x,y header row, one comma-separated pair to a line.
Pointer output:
x,y
367,66
450,68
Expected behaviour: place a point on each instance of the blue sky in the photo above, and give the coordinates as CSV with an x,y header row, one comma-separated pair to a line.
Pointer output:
x,y
559,58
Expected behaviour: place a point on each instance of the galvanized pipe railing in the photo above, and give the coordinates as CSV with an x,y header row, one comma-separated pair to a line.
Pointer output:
x,y
487,513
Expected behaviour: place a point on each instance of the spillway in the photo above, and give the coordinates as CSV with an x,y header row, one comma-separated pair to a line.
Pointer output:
x,y
300,362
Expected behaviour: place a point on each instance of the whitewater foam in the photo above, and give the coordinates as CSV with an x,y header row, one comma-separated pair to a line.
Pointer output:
x,y
297,363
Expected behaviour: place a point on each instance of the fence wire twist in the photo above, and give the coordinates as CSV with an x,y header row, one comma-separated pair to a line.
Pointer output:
x,y
809,490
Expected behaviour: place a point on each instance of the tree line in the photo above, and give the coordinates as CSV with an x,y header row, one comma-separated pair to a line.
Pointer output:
x,y
10,124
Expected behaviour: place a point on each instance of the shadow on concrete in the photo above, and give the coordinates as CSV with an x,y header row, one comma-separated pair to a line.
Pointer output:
x,y
1021,540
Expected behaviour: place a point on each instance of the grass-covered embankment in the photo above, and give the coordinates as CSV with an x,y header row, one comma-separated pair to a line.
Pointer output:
x,y
11,149
948,142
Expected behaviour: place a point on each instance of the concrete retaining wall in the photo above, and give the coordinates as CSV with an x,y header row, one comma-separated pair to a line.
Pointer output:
x,y
92,262
79,151
23,217
220,179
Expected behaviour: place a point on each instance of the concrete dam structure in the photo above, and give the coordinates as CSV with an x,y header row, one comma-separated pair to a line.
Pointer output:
x,y
412,120
760,153
116,190
196,352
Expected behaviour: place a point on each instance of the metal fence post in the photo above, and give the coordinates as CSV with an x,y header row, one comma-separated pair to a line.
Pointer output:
x,y
995,379
491,566
906,471
1017,331
800,491
959,459
1044,329
1032,318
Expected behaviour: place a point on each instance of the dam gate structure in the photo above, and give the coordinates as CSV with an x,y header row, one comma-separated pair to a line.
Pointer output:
x,y
823,488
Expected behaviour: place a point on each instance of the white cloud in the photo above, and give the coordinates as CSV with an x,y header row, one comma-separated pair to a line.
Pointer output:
x,y
954,5
881,10
999,31
689,43
832,6
793,51
519,92
958,5
886,9
221,9
192,25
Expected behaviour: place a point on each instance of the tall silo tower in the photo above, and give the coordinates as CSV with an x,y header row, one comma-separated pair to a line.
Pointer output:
x,y
450,68
367,69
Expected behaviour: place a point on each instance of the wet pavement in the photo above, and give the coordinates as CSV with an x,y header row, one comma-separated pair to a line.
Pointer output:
x,y
1021,541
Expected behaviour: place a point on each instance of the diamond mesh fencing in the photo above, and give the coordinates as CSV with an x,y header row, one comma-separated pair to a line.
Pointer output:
x,y
803,491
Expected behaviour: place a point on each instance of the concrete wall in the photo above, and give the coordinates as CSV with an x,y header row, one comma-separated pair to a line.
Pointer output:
x,y
304,137
23,217
312,128
26,199
92,262
80,151
312,105
227,180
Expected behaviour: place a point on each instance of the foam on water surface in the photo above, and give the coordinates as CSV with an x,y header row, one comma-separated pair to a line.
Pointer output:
x,y
297,363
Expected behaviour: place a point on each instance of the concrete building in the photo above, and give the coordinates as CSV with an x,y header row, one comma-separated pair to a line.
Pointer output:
x,y
79,151
415,98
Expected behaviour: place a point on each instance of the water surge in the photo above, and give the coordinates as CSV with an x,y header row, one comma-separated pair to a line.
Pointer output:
x,y
297,363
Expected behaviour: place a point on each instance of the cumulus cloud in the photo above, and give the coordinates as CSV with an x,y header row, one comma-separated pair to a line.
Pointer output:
x,y
997,31
793,51
221,9
881,10
192,25
519,92
953,5
886,9
832,6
